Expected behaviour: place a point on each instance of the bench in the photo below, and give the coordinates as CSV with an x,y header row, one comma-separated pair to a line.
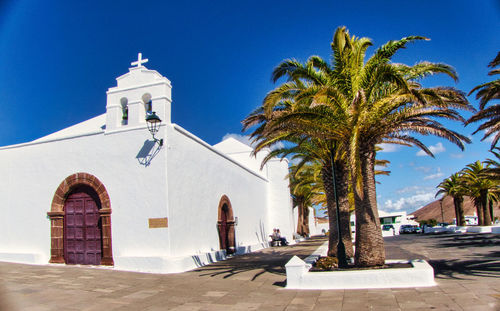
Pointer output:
x,y
275,243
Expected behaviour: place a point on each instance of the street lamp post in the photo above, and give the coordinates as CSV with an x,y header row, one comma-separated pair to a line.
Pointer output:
x,y
341,256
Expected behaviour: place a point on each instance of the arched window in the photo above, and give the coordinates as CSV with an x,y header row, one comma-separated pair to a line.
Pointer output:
x,y
124,104
148,104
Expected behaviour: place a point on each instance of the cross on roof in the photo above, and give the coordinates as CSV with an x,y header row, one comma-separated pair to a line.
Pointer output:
x,y
139,61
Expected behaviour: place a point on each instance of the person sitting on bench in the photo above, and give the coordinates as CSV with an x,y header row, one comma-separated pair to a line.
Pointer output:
x,y
275,238
281,238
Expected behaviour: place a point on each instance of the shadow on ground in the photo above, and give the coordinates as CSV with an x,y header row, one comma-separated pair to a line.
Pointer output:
x,y
487,263
469,240
460,269
269,260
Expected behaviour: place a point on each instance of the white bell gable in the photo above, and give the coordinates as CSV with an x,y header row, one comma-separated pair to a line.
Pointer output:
x,y
138,92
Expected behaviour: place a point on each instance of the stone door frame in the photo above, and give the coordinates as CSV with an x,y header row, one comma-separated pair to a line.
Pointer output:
x,y
224,201
56,216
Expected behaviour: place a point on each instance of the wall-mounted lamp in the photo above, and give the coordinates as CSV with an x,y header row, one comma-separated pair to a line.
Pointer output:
x,y
153,122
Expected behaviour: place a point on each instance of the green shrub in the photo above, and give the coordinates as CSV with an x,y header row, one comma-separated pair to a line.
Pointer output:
x,y
327,263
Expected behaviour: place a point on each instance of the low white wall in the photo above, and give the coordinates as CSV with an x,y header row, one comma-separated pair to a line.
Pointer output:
x,y
479,229
299,277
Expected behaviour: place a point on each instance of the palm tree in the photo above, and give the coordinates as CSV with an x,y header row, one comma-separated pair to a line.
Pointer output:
x,y
481,189
493,166
491,115
307,150
350,107
306,191
388,105
454,186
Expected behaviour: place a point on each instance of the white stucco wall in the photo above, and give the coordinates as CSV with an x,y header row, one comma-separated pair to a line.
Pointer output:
x,y
280,201
31,173
198,177
280,213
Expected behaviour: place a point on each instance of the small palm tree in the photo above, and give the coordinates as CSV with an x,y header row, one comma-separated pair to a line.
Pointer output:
x,y
480,188
491,115
305,187
454,186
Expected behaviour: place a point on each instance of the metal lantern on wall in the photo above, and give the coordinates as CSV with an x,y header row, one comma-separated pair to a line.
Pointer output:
x,y
153,122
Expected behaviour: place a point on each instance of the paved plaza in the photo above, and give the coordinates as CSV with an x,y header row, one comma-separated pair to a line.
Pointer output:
x,y
467,269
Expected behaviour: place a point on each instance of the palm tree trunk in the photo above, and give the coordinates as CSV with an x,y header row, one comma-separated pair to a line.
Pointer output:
x,y
485,207
370,249
305,218
342,192
459,210
491,211
479,211
300,218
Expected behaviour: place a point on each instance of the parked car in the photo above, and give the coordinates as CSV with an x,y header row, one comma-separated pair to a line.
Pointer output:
x,y
407,229
418,229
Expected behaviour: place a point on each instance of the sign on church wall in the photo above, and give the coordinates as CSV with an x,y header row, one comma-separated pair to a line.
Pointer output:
x,y
158,222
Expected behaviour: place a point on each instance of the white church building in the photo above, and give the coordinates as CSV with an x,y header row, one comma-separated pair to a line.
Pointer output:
x,y
106,192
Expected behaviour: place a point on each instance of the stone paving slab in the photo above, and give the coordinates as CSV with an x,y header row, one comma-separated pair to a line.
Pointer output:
x,y
467,270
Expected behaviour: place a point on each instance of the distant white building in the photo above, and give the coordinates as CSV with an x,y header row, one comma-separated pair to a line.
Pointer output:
x,y
104,192
469,220
390,222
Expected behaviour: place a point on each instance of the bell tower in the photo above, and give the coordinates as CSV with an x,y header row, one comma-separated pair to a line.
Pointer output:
x,y
137,94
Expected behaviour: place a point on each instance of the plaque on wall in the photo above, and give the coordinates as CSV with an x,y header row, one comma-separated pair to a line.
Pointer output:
x,y
158,222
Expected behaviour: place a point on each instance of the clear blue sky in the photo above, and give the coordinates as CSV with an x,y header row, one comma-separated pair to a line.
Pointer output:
x,y
58,58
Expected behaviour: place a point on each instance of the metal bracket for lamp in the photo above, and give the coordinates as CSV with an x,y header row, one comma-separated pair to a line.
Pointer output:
x,y
153,122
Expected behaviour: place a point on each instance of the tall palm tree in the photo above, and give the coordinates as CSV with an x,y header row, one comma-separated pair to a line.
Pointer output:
x,y
389,105
491,116
348,108
454,186
481,189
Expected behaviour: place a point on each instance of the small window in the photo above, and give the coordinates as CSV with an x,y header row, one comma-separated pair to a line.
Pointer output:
x,y
124,104
148,104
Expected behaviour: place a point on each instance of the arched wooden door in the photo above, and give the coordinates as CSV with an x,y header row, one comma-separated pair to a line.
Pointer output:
x,y
82,230
225,225
224,229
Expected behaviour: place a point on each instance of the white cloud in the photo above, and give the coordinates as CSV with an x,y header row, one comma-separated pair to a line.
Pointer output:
x,y
408,189
415,189
437,148
438,174
433,176
388,147
457,155
410,203
425,169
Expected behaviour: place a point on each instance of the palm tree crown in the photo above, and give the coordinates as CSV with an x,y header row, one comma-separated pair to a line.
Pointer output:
x,y
487,92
